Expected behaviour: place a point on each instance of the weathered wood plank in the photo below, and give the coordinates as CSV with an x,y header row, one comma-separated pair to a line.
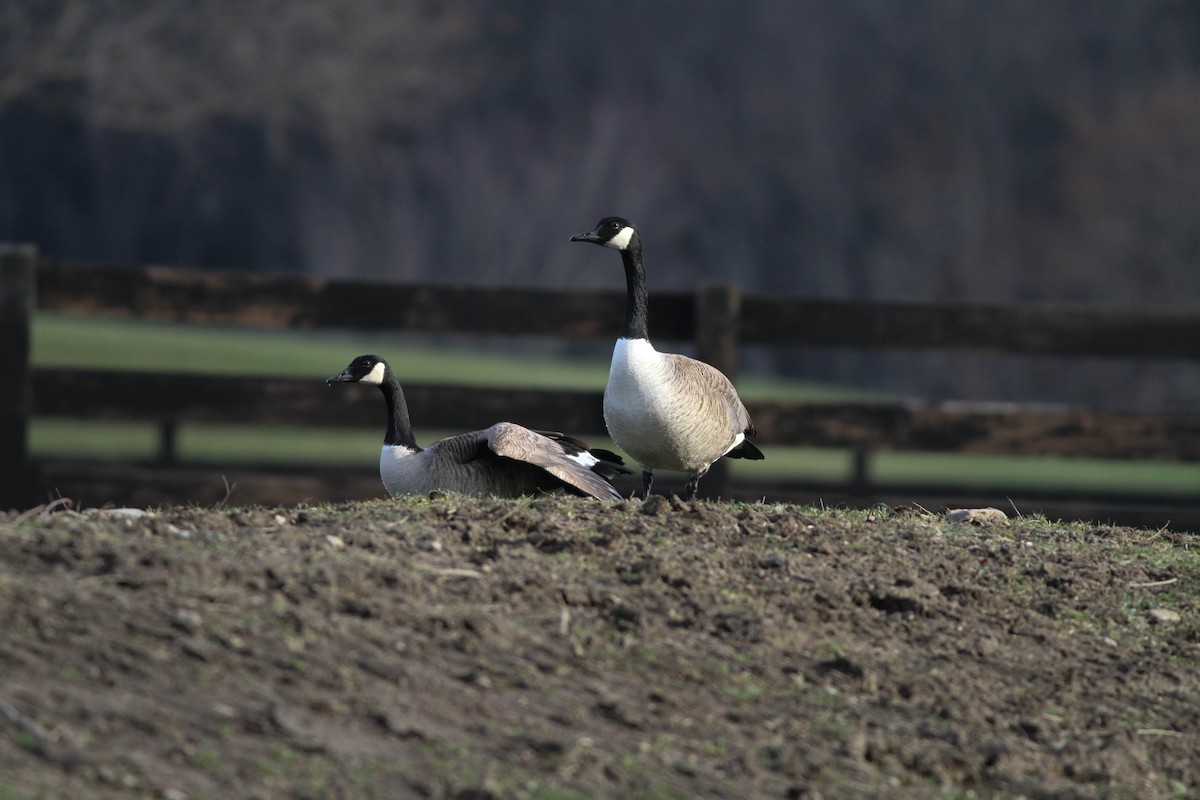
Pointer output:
x,y
18,266
970,428
993,429
159,396
255,299
237,298
718,312
1034,330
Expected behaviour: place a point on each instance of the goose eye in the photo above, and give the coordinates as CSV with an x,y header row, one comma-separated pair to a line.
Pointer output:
x,y
614,225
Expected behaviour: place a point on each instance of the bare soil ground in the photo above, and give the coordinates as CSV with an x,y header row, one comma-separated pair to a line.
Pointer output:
x,y
453,648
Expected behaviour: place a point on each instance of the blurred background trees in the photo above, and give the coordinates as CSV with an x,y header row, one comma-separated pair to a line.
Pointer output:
x,y
926,149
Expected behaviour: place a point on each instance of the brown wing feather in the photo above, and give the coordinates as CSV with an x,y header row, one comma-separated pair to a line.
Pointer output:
x,y
521,444
712,383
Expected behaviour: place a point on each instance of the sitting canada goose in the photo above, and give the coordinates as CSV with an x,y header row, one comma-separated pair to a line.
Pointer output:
x,y
666,410
505,460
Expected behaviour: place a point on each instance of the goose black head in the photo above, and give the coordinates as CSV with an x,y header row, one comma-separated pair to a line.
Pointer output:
x,y
614,232
364,369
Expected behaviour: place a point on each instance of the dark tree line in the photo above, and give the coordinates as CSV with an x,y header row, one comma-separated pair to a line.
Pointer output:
x,y
1010,151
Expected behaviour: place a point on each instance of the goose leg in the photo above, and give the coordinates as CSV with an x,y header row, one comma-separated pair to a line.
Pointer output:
x,y
647,482
690,489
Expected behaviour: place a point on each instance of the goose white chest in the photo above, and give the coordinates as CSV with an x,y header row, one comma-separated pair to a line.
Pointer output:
x,y
645,412
403,471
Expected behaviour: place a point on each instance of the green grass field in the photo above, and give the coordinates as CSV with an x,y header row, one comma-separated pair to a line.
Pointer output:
x,y
62,341
104,344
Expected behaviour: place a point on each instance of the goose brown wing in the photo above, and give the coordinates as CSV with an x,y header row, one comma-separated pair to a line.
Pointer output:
x,y
714,390
609,465
521,444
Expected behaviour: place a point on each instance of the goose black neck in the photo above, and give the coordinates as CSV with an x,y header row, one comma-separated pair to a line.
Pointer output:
x,y
399,427
635,285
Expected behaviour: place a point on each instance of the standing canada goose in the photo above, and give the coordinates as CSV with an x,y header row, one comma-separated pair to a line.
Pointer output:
x,y
505,460
666,410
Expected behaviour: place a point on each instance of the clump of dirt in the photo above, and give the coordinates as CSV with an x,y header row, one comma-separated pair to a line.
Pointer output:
x,y
450,648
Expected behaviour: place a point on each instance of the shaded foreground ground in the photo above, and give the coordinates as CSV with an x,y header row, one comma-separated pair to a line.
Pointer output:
x,y
566,648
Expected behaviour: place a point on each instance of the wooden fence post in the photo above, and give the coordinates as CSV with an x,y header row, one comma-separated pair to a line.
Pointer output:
x,y
718,324
168,442
18,282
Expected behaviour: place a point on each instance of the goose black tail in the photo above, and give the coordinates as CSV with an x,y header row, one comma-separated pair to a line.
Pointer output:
x,y
746,450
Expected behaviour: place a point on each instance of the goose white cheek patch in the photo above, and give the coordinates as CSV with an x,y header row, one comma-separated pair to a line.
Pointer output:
x,y
621,240
375,376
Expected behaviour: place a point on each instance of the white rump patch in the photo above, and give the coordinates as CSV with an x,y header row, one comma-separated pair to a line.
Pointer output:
x,y
584,458
375,376
741,437
621,240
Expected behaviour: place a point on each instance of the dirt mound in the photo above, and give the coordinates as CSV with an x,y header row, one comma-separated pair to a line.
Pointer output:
x,y
457,648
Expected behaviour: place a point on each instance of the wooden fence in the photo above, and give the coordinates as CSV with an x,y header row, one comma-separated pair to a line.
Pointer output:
x,y
717,319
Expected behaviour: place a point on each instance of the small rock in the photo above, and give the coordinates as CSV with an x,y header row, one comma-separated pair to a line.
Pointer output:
x,y
174,794
186,620
234,642
336,542
280,519
977,516
1163,616
224,710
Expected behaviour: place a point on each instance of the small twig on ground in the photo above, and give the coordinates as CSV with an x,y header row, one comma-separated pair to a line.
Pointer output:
x,y
24,723
449,572
57,504
1157,732
229,487
1152,583
1016,510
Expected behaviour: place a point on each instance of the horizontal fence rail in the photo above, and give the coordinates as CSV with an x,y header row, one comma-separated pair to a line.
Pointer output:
x,y
1148,334
234,298
715,319
979,428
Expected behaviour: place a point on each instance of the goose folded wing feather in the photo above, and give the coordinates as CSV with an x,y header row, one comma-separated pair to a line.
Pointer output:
x,y
521,444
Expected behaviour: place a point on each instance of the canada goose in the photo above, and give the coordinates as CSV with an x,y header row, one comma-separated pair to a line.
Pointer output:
x,y
666,410
505,460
